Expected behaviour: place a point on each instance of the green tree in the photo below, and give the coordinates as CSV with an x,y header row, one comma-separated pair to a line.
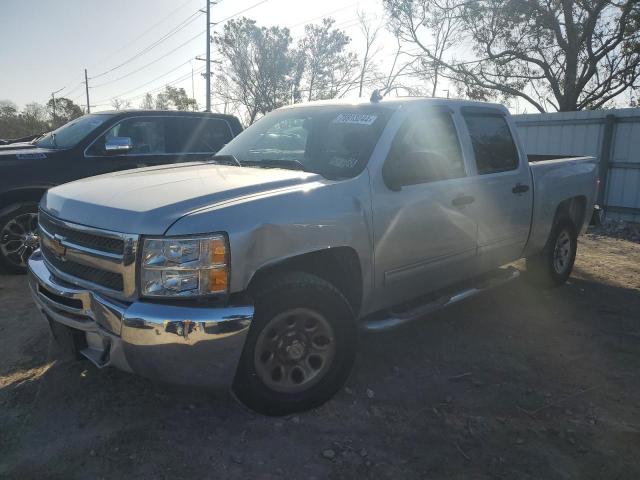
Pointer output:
x,y
31,120
34,118
177,97
256,66
62,111
328,69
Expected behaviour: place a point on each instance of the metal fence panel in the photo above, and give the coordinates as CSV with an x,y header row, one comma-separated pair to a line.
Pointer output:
x,y
611,135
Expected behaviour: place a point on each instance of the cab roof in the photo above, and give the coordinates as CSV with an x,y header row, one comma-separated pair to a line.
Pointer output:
x,y
395,102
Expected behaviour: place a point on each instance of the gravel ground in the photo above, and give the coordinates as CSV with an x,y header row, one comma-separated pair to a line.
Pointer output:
x,y
517,383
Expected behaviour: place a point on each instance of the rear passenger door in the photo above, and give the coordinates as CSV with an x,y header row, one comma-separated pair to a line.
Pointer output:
x,y
196,138
502,187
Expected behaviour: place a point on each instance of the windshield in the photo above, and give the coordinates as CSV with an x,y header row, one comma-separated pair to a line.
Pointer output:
x,y
71,133
334,141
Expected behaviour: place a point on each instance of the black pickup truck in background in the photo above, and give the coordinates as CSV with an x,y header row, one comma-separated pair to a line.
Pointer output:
x,y
91,145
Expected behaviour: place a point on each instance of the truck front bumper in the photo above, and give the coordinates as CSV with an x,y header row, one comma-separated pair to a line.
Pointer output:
x,y
174,343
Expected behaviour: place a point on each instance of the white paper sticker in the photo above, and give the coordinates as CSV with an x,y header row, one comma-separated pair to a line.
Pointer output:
x,y
357,118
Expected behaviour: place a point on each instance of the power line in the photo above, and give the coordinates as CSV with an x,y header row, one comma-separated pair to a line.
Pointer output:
x,y
175,30
162,57
145,32
183,24
156,89
324,15
148,82
240,12
164,85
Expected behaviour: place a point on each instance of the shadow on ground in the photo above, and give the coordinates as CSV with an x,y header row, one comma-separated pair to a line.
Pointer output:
x,y
517,383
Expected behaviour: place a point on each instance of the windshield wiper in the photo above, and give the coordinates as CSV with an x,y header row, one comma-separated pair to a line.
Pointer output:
x,y
277,163
226,160
53,140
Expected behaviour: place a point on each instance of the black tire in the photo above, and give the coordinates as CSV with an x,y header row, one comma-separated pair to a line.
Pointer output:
x,y
546,268
15,262
287,292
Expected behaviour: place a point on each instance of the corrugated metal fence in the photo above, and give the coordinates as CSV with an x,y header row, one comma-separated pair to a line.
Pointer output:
x,y
611,135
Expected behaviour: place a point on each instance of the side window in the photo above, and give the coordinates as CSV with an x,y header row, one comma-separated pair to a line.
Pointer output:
x,y
493,145
147,136
426,149
197,135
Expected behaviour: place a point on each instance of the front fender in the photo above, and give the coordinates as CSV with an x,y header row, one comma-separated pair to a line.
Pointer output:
x,y
274,226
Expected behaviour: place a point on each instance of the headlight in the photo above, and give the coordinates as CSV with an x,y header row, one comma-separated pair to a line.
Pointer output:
x,y
184,267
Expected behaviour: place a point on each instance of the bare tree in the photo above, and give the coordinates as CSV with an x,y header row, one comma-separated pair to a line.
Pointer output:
x,y
570,54
120,104
401,69
370,33
162,101
147,102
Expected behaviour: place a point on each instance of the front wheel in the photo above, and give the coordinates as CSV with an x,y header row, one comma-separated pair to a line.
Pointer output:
x,y
18,236
300,348
554,264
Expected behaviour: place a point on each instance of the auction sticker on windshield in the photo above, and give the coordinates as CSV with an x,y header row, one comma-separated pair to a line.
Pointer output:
x,y
357,118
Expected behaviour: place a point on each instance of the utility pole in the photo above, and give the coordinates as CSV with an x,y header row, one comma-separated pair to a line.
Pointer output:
x,y
53,100
208,75
193,94
86,86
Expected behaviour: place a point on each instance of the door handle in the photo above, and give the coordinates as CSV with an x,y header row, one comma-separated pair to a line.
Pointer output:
x,y
462,200
520,188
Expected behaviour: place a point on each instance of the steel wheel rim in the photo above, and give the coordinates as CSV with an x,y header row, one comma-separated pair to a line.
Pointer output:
x,y
19,239
562,252
294,350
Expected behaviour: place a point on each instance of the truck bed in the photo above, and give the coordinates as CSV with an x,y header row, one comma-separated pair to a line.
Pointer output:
x,y
556,178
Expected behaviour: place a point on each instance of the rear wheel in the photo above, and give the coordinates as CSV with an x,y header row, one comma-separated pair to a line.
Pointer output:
x,y
300,348
18,236
554,264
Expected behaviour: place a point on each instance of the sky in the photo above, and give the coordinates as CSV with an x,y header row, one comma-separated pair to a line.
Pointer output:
x,y
47,45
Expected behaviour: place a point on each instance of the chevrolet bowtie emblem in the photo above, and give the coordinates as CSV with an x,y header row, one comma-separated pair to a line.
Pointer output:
x,y
57,247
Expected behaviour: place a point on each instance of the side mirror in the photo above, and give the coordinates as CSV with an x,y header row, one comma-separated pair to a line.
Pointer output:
x,y
118,144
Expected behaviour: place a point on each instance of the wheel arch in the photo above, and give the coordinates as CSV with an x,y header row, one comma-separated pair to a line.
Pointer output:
x,y
26,194
339,266
574,209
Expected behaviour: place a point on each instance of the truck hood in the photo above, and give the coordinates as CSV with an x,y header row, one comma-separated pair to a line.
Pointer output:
x,y
149,200
24,150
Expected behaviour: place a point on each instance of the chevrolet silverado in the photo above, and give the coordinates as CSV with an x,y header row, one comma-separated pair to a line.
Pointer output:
x,y
258,268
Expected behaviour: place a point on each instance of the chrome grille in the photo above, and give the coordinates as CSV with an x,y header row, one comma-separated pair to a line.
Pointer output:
x,y
110,280
96,259
112,245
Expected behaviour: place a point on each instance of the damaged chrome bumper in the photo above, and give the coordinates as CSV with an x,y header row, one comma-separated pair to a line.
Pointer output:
x,y
173,343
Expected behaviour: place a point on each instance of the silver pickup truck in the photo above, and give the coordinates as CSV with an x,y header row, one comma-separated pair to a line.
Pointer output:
x,y
257,269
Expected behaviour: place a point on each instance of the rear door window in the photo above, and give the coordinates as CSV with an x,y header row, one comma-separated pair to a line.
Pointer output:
x,y
493,145
197,135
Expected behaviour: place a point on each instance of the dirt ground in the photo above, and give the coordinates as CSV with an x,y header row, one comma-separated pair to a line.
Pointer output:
x,y
517,383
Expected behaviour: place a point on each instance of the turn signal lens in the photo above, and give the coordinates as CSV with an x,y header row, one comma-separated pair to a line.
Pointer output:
x,y
218,251
218,280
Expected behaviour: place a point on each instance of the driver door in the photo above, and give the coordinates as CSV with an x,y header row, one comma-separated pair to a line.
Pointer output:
x,y
146,145
425,234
